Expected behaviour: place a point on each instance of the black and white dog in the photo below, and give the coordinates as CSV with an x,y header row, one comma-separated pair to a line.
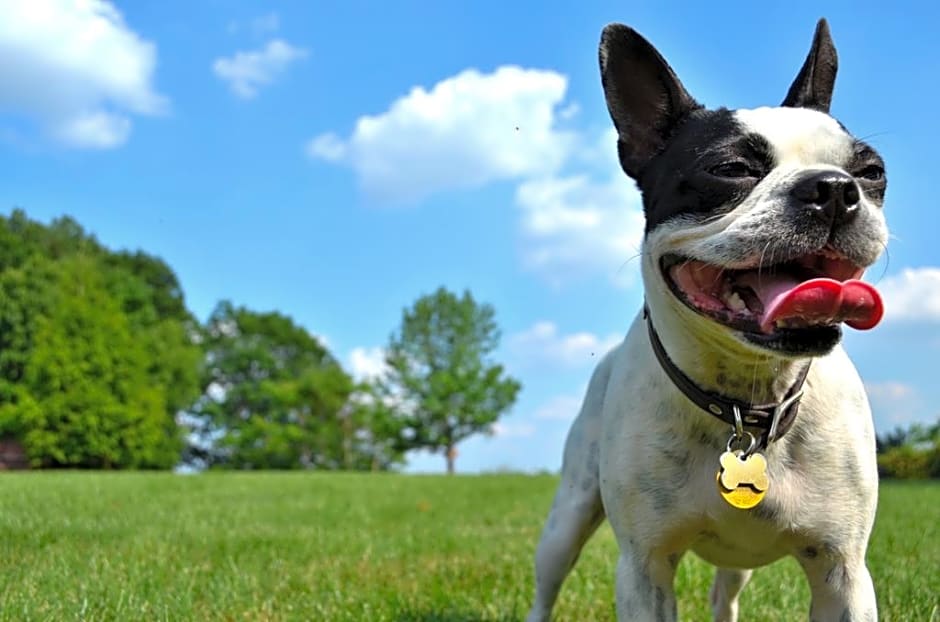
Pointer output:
x,y
730,422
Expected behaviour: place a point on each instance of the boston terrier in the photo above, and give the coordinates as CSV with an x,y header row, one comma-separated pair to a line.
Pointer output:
x,y
730,421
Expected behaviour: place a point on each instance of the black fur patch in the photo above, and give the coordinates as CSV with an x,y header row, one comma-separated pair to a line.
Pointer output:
x,y
677,182
810,552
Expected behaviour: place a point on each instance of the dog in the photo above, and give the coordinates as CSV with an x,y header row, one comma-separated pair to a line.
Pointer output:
x,y
730,421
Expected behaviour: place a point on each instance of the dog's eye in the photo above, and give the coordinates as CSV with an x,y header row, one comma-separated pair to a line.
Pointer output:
x,y
872,172
736,169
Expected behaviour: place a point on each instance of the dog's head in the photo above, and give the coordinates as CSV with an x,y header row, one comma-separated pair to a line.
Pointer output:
x,y
758,222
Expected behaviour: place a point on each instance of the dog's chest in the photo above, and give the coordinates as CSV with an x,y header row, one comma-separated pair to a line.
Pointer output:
x,y
670,494
740,540
728,536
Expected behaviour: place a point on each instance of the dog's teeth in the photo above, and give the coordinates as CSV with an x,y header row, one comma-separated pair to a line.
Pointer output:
x,y
734,302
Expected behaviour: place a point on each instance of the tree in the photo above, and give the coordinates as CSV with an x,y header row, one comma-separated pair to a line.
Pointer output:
x,y
911,453
76,390
97,354
446,387
274,397
373,433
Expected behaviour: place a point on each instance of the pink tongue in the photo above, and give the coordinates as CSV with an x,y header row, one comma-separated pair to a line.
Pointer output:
x,y
817,301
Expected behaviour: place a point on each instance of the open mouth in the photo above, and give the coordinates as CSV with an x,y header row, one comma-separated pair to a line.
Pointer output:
x,y
790,305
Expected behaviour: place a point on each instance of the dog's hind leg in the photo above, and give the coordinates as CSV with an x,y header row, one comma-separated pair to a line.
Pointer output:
x,y
724,593
577,509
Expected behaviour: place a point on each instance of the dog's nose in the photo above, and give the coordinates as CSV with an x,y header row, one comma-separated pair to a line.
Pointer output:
x,y
831,196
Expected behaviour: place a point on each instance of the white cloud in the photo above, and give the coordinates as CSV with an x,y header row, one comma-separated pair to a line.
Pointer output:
x,y
912,295
543,343
583,223
895,403
467,130
247,72
559,408
99,130
579,214
264,24
77,70
367,363
512,430
329,147
257,26
890,390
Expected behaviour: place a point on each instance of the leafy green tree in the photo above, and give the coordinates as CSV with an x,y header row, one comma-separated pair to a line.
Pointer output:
x,y
81,396
97,349
274,397
152,300
910,453
446,387
373,433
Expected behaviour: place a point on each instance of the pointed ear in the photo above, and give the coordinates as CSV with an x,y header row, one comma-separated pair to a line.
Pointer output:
x,y
813,85
644,96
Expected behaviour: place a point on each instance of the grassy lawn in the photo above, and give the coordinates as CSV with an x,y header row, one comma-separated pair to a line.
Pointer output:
x,y
142,546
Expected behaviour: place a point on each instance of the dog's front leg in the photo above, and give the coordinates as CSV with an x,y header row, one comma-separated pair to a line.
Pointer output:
x,y
841,588
644,586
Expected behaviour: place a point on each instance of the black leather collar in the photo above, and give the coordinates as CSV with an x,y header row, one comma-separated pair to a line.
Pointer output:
x,y
760,416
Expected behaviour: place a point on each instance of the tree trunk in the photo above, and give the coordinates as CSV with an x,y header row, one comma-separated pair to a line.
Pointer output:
x,y
347,442
451,454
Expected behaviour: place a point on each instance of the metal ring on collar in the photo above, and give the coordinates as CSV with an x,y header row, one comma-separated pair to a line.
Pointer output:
x,y
738,423
751,445
778,412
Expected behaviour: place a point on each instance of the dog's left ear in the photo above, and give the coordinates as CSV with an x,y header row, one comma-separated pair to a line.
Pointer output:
x,y
813,85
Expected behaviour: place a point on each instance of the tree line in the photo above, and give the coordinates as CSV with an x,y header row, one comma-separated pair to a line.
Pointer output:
x,y
910,453
103,366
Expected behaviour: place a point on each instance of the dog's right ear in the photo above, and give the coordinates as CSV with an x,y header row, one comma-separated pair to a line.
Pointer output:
x,y
644,96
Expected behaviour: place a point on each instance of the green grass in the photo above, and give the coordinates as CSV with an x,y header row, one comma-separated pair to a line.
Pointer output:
x,y
140,546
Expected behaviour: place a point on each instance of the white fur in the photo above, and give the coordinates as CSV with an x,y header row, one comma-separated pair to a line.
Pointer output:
x,y
643,455
799,136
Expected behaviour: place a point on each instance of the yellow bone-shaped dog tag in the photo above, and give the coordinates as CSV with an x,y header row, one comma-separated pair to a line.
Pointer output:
x,y
742,482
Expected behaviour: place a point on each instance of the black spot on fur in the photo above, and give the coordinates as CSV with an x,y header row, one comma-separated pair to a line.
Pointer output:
x,y
652,489
629,608
594,457
679,460
660,607
852,474
768,510
835,575
674,560
642,583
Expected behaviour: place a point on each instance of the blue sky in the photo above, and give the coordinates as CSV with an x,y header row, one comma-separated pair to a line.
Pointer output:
x,y
336,160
